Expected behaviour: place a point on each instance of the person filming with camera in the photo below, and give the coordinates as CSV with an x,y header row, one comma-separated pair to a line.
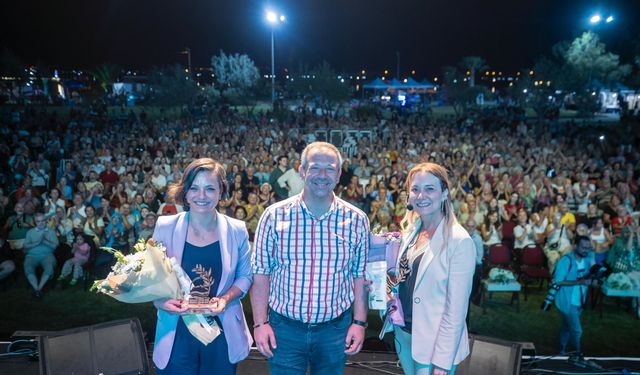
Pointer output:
x,y
572,276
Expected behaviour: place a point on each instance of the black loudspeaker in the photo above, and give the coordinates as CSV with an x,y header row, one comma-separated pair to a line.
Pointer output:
x,y
112,348
491,356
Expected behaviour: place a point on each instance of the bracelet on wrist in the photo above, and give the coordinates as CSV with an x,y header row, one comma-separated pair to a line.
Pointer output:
x,y
360,323
260,324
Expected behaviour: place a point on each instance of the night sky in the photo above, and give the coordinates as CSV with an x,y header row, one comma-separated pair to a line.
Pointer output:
x,y
349,34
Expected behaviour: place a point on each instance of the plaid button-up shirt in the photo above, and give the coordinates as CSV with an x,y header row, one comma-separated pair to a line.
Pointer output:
x,y
312,261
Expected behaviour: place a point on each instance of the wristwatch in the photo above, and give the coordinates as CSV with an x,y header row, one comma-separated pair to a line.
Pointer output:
x,y
360,323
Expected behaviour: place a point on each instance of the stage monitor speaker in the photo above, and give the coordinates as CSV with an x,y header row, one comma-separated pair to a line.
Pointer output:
x,y
111,348
490,356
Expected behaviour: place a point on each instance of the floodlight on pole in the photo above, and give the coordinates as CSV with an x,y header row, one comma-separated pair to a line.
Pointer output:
x,y
273,18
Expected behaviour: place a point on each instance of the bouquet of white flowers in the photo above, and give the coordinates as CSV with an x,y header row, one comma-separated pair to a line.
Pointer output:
x,y
619,281
147,275
143,276
500,275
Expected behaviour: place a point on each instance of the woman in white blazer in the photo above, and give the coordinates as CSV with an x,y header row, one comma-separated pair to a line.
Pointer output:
x,y
434,275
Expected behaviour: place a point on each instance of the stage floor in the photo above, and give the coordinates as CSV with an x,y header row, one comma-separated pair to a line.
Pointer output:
x,y
367,363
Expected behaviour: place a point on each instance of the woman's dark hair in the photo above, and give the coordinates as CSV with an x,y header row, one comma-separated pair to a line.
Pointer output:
x,y
242,209
487,222
179,191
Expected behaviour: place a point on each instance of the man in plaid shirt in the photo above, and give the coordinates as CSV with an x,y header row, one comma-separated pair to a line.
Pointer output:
x,y
308,297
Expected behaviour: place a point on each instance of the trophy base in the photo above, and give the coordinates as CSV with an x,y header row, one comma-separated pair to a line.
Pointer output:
x,y
201,308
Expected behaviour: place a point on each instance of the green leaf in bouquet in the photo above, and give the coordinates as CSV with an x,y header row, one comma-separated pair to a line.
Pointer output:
x,y
95,285
116,253
139,266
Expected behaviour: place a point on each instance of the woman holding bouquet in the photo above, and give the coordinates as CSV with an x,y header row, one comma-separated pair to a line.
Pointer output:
x,y
435,267
201,239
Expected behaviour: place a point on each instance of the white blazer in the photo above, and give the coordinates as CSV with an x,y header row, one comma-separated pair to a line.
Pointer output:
x,y
441,297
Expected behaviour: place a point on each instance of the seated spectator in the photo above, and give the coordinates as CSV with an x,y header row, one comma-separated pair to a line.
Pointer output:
x,y
621,221
602,240
94,198
267,195
524,235
471,210
115,234
80,251
17,227
7,265
353,192
52,201
381,222
158,179
77,213
105,210
29,202
237,185
39,178
150,198
514,205
118,195
39,245
93,181
253,212
252,182
146,228
240,213
62,226
490,229
400,207
540,223
567,219
624,255
108,176
93,225
262,174
169,207
558,243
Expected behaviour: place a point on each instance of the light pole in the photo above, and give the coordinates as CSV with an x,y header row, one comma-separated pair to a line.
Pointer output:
x,y
187,51
273,19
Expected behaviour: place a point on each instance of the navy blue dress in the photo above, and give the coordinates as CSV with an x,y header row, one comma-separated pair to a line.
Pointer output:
x,y
190,356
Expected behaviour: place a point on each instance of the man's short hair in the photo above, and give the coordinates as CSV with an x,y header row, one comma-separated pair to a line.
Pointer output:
x,y
314,145
581,237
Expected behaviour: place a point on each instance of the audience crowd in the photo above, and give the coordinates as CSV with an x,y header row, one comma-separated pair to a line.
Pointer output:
x,y
69,186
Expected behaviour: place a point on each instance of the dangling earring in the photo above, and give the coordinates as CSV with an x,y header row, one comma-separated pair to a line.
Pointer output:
x,y
442,207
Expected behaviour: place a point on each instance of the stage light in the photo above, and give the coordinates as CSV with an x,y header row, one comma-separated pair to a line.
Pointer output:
x,y
609,19
595,19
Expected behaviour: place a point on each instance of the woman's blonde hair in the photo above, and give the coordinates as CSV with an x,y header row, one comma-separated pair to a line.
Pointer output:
x,y
411,219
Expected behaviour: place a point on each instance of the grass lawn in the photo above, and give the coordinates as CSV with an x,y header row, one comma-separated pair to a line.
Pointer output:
x,y
617,333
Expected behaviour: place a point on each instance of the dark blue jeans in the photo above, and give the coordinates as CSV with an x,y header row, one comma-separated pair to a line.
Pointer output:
x,y
571,329
190,357
319,347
